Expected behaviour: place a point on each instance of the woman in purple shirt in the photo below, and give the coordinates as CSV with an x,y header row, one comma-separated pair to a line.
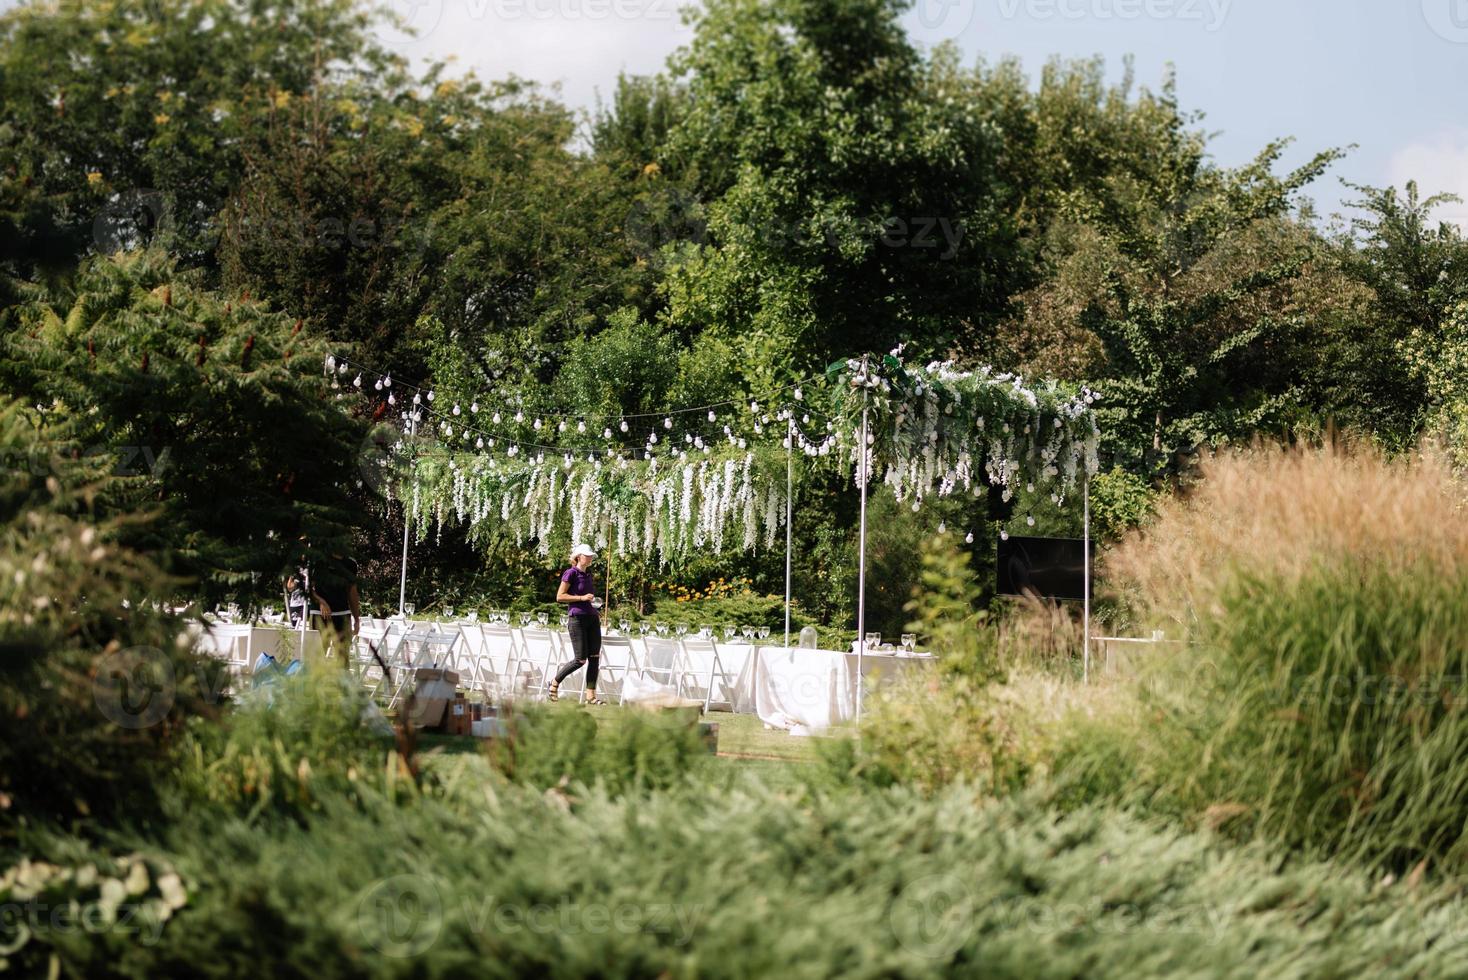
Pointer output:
x,y
578,591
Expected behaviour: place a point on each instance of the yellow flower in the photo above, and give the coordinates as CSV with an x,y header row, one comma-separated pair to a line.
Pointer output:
x,y
94,178
281,99
415,127
651,170
161,119
446,88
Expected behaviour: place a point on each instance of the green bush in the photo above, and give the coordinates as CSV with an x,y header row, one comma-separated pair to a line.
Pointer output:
x,y
740,880
638,751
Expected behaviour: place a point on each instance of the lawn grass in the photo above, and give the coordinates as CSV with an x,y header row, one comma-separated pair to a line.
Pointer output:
x,y
745,744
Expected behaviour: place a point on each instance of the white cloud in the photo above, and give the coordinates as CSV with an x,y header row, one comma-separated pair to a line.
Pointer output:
x,y
1439,165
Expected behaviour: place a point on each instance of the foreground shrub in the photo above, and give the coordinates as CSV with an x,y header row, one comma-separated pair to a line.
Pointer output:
x,y
502,880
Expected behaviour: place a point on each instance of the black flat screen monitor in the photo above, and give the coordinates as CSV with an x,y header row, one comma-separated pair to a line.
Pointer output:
x,y
1047,568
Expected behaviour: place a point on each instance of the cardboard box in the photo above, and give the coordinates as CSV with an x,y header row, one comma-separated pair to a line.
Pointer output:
x,y
460,718
433,689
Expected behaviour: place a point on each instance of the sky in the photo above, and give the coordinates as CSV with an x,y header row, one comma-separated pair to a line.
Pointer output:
x,y
1389,76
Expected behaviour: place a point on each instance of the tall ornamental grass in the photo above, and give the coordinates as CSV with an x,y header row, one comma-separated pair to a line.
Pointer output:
x,y
1325,700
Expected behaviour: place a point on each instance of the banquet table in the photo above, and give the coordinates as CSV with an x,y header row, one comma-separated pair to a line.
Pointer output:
x,y
811,690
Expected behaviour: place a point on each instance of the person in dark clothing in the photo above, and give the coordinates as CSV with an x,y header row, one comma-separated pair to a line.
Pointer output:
x,y
339,616
578,590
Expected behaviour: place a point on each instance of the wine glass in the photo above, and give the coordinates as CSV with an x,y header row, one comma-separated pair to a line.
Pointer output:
x,y
747,632
565,620
706,631
472,616
661,627
623,626
874,640
409,608
643,626
542,618
764,632
525,619
729,631
681,629
909,642
448,612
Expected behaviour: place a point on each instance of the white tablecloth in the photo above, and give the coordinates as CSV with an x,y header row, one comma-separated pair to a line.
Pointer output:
x,y
794,688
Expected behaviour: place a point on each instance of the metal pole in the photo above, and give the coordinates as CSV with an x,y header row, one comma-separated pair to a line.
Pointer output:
x,y
789,481
403,573
861,587
1086,607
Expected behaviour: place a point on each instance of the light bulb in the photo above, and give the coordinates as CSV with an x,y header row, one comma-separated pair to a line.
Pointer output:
x,y
712,416
667,423
968,538
456,409
430,395
387,382
358,382
624,425
799,395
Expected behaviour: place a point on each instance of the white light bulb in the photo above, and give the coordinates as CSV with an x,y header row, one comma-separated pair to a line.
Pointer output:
x,y
387,382
624,425
417,398
799,395
667,423
378,386
580,426
479,443
712,416
606,433
456,409
358,382
430,395
474,407
968,538
1003,535
1030,521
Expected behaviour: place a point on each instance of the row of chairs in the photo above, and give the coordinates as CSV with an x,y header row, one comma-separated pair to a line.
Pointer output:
x,y
504,663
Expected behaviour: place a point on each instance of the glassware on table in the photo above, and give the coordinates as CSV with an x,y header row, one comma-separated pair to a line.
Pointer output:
x,y
448,612
764,632
706,631
874,640
525,619
409,608
909,642
472,616
748,633
542,618
729,630
809,638
661,627
643,626
681,629
565,620
624,626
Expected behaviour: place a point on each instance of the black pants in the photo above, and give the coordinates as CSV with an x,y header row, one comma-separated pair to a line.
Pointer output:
x,y
586,643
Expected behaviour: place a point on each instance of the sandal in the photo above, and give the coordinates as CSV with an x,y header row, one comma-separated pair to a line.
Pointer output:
x,y
593,700
554,694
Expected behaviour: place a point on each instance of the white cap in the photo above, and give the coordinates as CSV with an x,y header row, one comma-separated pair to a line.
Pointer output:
x,y
582,549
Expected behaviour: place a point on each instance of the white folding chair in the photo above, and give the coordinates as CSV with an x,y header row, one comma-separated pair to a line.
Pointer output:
x,y
662,661
233,644
540,654
618,659
416,650
499,660
702,670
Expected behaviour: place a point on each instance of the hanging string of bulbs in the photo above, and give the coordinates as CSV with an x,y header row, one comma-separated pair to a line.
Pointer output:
x,y
486,427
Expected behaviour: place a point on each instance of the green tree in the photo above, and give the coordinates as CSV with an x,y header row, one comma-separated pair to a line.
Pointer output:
x,y
215,414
